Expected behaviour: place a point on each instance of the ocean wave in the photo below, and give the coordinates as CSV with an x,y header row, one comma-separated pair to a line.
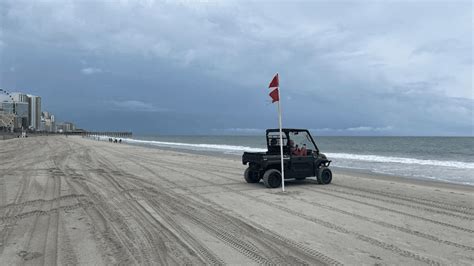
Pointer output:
x,y
401,160
202,147
236,149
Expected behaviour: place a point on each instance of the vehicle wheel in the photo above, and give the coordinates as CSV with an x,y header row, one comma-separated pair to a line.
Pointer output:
x,y
324,176
251,176
272,178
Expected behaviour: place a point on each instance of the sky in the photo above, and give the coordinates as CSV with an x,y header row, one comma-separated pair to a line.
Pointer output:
x,y
203,67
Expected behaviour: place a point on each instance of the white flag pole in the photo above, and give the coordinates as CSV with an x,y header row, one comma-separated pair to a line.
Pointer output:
x,y
281,145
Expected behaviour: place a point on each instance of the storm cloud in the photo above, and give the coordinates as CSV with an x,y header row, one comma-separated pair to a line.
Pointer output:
x,y
202,67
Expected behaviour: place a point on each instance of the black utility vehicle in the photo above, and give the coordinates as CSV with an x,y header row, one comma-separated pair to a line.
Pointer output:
x,y
301,159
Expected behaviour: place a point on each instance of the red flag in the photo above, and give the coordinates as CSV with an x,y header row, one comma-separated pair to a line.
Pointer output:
x,y
275,82
274,94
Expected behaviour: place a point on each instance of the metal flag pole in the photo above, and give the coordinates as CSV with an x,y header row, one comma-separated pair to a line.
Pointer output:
x,y
281,145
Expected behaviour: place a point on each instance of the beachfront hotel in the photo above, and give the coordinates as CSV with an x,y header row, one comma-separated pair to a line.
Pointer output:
x,y
34,111
23,111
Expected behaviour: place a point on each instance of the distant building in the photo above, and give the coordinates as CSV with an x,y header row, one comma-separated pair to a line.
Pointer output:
x,y
19,110
6,107
20,97
6,121
24,112
47,122
34,111
65,127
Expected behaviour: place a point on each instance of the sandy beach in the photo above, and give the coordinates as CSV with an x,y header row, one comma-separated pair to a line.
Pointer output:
x,y
79,201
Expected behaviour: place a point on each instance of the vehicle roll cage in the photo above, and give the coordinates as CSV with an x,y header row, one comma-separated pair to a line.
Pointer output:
x,y
285,135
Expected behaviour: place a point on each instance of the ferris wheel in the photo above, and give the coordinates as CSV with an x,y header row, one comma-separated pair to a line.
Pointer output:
x,y
7,116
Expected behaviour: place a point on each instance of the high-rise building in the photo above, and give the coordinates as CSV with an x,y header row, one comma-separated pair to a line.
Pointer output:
x,y
20,97
34,111
7,107
6,121
47,122
19,110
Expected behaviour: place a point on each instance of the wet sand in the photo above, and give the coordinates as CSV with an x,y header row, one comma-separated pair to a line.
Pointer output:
x,y
80,201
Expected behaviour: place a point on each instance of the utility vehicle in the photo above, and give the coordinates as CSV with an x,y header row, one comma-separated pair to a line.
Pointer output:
x,y
301,157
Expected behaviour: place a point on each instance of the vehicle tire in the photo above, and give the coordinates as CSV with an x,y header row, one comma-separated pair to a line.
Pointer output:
x,y
272,178
251,176
324,176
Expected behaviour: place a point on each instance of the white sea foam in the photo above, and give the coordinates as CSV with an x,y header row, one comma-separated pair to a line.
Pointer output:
x,y
192,146
235,149
401,160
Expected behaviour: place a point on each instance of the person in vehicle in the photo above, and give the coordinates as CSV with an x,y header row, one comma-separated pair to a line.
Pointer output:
x,y
303,151
294,150
273,142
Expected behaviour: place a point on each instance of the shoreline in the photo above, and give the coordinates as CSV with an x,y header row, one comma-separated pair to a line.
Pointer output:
x,y
362,172
408,180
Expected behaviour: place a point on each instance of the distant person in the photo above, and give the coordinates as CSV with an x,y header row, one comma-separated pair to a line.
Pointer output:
x,y
120,140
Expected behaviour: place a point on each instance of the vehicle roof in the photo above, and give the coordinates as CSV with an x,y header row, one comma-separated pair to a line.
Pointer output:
x,y
286,129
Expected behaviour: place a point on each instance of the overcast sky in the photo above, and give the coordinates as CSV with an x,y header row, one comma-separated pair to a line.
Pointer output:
x,y
203,67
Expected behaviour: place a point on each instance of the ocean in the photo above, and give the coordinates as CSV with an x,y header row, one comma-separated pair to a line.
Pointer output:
x,y
448,159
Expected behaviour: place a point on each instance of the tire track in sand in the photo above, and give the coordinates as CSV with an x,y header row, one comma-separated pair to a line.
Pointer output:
x,y
8,225
324,190
175,237
145,225
385,224
50,249
411,199
299,249
113,244
350,199
440,207
324,223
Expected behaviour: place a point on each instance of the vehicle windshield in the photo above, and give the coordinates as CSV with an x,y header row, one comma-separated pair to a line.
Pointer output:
x,y
302,139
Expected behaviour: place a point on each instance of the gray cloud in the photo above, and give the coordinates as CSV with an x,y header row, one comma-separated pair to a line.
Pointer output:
x,y
368,129
343,65
134,106
239,131
91,70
